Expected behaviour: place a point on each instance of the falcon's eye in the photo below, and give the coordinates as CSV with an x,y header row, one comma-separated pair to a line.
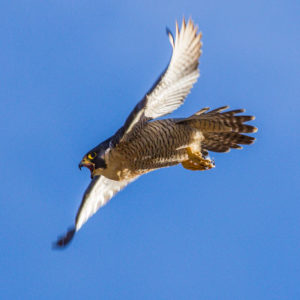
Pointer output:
x,y
92,155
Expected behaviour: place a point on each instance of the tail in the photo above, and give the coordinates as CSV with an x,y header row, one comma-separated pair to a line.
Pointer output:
x,y
222,130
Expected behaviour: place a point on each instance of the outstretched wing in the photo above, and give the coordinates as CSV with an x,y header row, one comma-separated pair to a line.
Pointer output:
x,y
98,193
175,83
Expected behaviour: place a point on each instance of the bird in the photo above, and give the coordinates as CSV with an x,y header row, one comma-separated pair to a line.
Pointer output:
x,y
145,143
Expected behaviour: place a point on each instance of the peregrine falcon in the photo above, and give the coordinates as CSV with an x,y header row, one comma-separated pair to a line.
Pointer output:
x,y
143,144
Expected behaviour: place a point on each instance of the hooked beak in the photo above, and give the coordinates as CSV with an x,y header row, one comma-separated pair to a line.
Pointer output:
x,y
86,163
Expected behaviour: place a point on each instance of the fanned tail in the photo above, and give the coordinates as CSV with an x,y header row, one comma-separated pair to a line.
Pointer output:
x,y
223,142
222,130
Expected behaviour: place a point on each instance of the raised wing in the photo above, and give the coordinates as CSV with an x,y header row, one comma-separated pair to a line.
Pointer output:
x,y
171,88
98,193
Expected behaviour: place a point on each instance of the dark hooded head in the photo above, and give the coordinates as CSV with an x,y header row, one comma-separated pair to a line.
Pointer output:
x,y
94,159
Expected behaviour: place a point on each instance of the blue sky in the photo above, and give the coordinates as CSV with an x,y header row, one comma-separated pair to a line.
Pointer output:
x,y
71,71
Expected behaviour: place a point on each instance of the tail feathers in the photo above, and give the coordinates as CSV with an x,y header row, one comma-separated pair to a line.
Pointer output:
x,y
218,121
222,142
222,130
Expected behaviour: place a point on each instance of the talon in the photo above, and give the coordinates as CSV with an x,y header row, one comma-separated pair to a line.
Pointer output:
x,y
197,162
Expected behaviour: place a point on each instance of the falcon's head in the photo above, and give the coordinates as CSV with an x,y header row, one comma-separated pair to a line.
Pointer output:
x,y
94,160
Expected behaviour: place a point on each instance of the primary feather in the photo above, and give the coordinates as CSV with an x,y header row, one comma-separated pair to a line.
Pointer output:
x,y
175,83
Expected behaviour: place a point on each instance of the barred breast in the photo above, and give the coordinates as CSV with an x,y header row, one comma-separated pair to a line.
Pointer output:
x,y
153,145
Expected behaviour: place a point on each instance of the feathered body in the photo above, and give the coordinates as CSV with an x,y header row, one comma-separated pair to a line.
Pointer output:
x,y
150,146
144,144
164,143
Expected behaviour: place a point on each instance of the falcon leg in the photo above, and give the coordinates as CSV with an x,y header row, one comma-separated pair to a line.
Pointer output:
x,y
197,162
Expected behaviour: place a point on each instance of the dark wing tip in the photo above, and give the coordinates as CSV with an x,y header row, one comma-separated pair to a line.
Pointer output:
x,y
64,240
168,31
171,37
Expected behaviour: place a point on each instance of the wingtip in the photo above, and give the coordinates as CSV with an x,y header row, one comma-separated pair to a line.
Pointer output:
x,y
171,37
168,31
183,25
177,29
63,241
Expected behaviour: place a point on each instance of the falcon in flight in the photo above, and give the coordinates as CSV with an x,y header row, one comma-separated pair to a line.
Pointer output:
x,y
143,144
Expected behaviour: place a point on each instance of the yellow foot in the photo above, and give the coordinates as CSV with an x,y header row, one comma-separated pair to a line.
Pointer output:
x,y
196,162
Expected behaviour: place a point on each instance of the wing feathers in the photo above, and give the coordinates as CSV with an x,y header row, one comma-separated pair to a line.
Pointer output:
x,y
98,193
172,87
181,74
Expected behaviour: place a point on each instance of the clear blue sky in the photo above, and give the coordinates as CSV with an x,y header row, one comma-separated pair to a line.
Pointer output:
x,y
70,72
